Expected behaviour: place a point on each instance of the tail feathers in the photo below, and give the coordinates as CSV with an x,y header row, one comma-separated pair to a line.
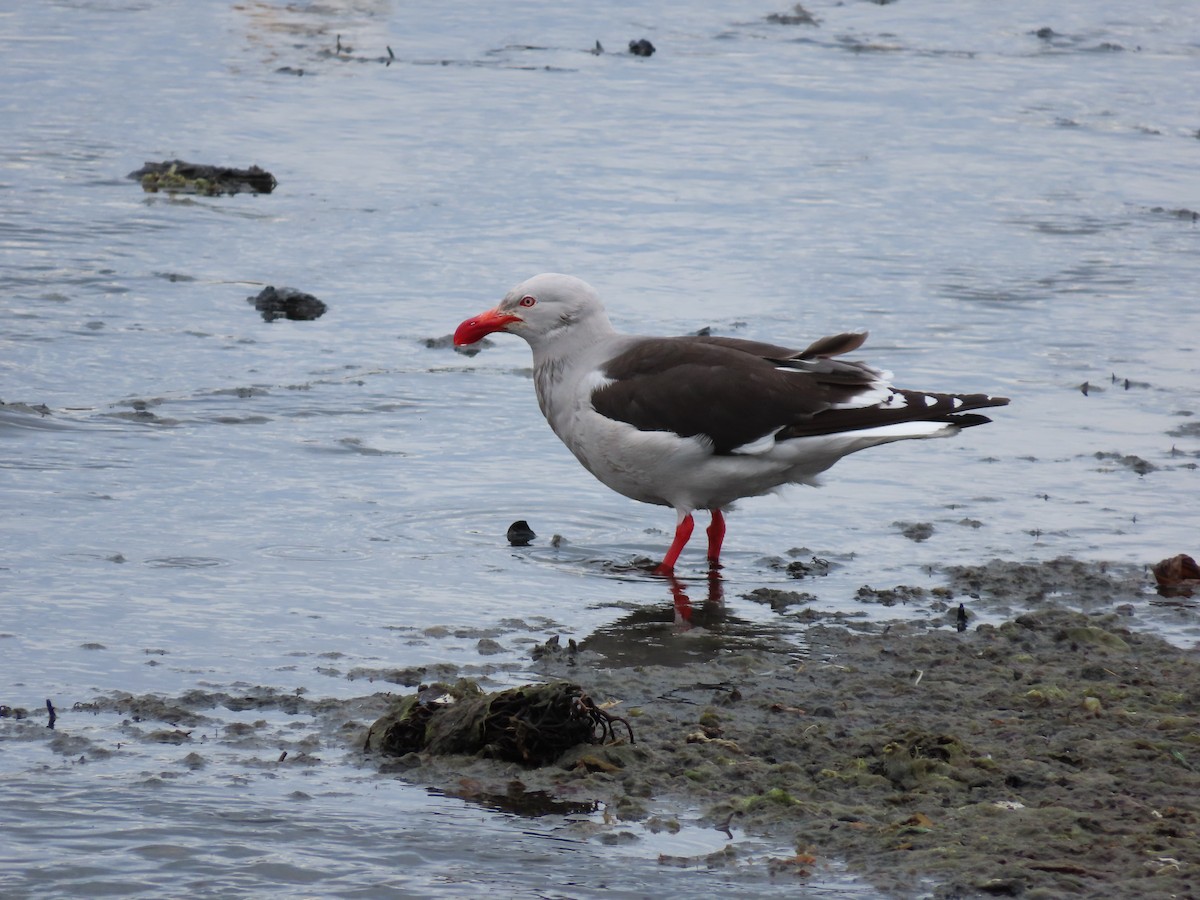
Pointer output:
x,y
901,407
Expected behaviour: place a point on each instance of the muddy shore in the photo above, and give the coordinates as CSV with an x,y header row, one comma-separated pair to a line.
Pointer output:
x,y
1055,753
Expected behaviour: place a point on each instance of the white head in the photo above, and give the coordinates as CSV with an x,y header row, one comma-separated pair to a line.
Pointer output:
x,y
539,309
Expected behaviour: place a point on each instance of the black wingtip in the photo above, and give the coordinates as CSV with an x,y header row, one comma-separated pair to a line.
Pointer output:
x,y
964,420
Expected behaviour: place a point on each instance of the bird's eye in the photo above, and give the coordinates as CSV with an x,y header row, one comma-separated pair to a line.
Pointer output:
x,y
528,301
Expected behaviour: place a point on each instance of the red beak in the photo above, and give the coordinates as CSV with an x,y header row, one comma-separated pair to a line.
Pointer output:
x,y
483,324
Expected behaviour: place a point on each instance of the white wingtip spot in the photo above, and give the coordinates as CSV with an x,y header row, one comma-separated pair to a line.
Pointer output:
x,y
957,403
878,393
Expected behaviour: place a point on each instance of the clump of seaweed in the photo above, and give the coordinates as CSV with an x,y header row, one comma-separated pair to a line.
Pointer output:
x,y
532,724
175,176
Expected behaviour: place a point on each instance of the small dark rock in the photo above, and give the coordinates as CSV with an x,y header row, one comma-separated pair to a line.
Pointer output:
x,y
553,649
1187,429
1188,215
1136,463
798,16
641,48
41,409
1178,576
902,593
777,599
520,534
287,303
915,531
488,647
800,569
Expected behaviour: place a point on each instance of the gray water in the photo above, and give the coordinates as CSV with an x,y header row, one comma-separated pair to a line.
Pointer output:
x,y
214,503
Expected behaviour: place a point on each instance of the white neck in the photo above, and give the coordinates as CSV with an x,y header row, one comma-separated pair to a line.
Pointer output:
x,y
564,355
572,339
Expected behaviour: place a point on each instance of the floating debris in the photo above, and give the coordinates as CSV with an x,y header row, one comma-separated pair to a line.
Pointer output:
x,y
178,177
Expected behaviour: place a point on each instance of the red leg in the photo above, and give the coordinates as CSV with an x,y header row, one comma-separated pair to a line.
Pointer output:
x,y
683,531
683,605
716,536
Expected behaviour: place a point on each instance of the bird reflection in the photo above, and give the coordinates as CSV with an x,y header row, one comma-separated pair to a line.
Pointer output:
x,y
709,614
684,631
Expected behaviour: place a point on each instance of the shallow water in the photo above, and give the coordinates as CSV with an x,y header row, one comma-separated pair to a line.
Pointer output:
x,y
214,502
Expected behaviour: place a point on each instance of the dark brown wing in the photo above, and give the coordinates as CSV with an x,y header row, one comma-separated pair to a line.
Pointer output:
x,y
735,391
834,345
726,389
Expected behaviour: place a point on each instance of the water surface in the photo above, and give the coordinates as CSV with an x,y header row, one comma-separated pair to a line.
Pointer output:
x,y
213,503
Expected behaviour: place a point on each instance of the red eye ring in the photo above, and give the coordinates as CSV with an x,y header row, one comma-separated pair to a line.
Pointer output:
x,y
528,301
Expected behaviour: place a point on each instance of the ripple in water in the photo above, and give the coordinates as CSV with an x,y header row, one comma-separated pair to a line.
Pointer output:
x,y
309,552
185,562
